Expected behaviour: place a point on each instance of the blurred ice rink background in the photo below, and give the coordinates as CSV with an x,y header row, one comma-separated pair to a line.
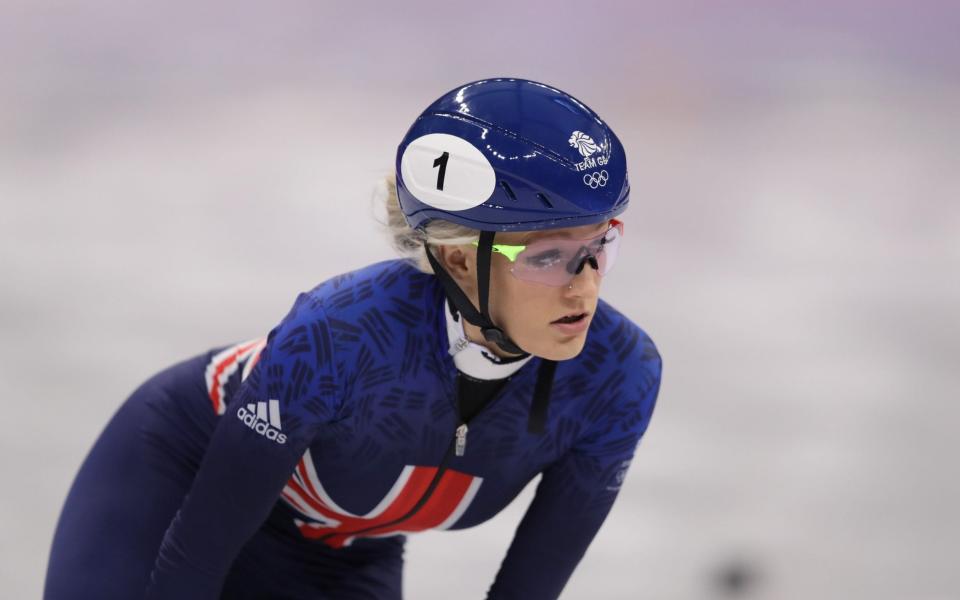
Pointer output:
x,y
172,174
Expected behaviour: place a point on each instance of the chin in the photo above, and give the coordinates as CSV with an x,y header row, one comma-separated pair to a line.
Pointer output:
x,y
561,351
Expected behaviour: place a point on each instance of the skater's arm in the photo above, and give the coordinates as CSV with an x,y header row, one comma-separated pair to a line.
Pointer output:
x,y
249,459
575,495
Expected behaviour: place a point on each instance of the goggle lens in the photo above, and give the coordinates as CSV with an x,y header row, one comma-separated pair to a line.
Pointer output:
x,y
555,262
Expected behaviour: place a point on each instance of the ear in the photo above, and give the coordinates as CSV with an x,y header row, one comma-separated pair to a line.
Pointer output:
x,y
460,263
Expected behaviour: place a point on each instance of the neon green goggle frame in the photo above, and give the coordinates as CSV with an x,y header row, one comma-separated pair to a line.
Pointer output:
x,y
507,250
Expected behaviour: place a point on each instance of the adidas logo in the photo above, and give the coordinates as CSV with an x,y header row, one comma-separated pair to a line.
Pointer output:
x,y
255,416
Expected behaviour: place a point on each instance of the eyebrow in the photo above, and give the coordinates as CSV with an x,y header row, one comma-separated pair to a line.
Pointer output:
x,y
555,234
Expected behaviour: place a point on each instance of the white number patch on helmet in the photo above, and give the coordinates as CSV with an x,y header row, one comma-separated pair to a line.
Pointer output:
x,y
447,172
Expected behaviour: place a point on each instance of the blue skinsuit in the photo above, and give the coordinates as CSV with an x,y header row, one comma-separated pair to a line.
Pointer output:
x,y
292,467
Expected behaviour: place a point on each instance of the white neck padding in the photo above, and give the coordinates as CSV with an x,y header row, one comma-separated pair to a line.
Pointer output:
x,y
473,359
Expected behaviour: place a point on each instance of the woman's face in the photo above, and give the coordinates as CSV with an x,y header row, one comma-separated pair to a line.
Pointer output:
x,y
528,311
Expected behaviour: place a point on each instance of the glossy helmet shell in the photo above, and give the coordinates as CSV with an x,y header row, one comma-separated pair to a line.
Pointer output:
x,y
510,155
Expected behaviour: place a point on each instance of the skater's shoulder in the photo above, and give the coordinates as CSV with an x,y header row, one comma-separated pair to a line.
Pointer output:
x,y
623,339
385,285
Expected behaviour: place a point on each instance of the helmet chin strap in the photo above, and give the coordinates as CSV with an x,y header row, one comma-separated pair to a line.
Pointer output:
x,y
480,318
537,420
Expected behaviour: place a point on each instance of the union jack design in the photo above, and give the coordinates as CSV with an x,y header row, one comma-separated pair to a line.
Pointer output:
x,y
323,518
337,527
225,363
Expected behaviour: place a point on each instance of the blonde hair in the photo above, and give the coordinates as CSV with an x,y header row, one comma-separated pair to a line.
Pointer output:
x,y
411,243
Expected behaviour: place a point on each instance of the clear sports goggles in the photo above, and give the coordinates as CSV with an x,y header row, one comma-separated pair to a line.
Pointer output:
x,y
556,261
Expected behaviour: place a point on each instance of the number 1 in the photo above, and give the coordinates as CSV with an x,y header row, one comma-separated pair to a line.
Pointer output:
x,y
442,163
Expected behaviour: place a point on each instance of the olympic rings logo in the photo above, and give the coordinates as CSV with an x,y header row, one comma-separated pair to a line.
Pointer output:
x,y
596,179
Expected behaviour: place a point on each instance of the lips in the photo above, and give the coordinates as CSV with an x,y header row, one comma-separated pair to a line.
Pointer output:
x,y
571,318
572,324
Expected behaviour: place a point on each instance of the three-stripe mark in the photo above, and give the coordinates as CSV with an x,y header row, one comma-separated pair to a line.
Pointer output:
x,y
264,409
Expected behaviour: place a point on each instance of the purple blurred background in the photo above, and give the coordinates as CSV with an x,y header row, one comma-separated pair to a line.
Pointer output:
x,y
172,174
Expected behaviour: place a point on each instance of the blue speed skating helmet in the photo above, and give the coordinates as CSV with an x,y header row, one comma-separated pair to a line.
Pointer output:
x,y
510,155
502,155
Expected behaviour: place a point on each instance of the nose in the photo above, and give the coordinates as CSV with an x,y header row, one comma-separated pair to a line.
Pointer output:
x,y
593,263
586,281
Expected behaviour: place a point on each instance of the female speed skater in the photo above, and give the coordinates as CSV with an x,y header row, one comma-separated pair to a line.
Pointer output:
x,y
417,393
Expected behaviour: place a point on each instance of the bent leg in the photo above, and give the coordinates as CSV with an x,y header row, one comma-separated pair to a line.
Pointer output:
x,y
118,507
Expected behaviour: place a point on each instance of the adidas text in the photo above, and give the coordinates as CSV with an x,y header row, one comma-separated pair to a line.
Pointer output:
x,y
255,421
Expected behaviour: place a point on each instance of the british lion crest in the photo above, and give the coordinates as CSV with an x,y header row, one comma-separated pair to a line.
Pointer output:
x,y
583,143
